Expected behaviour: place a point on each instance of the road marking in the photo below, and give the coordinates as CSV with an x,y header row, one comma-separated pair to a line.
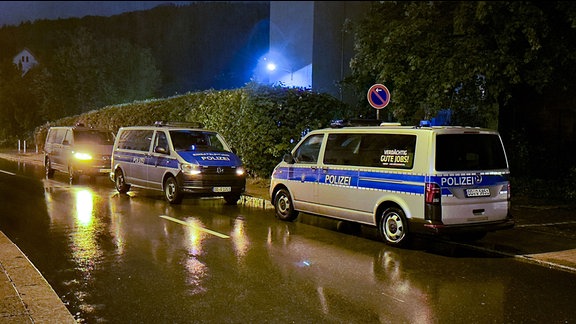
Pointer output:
x,y
196,227
547,224
9,173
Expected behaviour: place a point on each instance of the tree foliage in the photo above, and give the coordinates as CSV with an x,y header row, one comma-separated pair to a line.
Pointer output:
x,y
83,74
20,109
95,72
470,56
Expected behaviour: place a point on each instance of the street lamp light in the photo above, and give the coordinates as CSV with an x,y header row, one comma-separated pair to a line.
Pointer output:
x,y
272,67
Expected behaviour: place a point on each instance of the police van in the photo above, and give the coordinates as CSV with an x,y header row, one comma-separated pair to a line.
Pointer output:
x,y
178,159
78,150
440,180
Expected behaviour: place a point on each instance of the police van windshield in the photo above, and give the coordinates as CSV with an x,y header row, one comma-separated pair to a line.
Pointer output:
x,y
188,140
93,137
469,152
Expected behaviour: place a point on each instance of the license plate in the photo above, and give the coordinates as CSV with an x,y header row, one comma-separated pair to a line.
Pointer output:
x,y
222,189
104,170
477,192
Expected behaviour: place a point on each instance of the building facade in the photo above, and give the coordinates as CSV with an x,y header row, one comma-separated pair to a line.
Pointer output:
x,y
311,45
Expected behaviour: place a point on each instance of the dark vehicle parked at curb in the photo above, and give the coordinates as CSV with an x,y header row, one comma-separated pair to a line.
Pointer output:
x,y
178,159
440,180
78,150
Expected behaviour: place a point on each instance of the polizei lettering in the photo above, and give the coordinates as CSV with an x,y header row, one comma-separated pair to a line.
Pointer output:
x,y
208,156
458,181
215,158
338,180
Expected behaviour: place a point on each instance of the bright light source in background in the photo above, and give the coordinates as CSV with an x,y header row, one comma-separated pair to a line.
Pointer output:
x,y
275,69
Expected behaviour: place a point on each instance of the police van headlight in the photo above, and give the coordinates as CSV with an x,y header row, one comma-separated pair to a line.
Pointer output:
x,y
240,171
82,156
191,169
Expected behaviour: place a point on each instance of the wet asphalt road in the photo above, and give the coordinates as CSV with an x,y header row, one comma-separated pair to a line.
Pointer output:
x,y
135,259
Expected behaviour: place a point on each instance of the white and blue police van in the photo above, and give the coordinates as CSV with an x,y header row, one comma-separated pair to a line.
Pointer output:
x,y
178,159
441,180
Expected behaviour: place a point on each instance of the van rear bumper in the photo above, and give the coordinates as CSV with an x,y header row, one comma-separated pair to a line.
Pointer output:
x,y
441,229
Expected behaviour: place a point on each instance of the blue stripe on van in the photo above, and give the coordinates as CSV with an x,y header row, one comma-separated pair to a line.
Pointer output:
x,y
397,182
470,180
142,158
400,182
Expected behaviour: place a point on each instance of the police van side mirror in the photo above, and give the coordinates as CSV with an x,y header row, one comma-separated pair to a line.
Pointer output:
x,y
288,158
161,150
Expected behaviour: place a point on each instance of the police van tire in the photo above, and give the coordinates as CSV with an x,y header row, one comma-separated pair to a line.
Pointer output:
x,y
49,170
393,227
120,182
172,192
284,207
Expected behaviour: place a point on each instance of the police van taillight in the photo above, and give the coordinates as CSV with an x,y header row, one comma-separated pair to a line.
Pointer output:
x,y
432,207
432,194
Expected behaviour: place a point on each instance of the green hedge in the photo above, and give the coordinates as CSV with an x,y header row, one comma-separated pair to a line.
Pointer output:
x,y
260,122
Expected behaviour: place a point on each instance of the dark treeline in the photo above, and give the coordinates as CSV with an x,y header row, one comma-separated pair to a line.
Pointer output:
x,y
88,63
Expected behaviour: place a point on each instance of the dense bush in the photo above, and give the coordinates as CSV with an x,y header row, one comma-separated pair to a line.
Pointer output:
x,y
260,122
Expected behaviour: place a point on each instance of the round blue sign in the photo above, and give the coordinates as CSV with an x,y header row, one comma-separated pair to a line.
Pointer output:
x,y
378,96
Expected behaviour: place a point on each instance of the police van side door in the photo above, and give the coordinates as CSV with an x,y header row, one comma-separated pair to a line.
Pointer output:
x,y
55,148
303,174
338,194
157,160
66,152
139,143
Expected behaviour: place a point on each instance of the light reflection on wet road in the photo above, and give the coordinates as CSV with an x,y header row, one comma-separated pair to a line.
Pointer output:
x,y
136,259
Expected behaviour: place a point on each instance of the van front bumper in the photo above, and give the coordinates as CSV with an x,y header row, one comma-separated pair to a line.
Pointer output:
x,y
92,169
212,185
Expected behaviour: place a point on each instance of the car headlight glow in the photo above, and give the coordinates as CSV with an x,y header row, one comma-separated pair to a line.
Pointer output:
x,y
192,169
82,156
240,171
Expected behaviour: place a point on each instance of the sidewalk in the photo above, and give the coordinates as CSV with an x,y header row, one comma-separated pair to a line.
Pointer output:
x,y
28,298
26,295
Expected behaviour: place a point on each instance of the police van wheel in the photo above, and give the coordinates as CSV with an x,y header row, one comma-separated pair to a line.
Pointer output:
x,y
393,227
284,206
49,170
172,192
120,182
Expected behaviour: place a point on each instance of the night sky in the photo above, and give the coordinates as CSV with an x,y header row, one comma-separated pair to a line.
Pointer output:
x,y
15,12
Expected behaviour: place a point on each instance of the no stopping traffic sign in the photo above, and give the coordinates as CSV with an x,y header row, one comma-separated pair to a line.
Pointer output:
x,y
378,96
